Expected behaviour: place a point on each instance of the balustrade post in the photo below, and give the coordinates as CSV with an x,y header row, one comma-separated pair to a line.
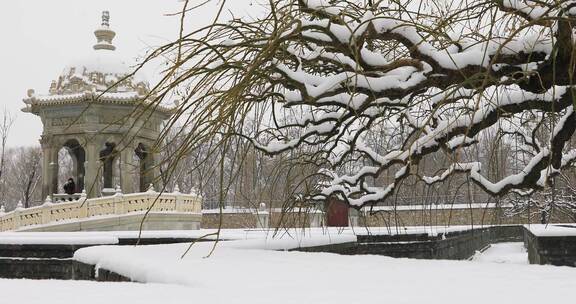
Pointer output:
x,y
119,207
196,204
47,210
16,219
196,201
2,219
152,194
178,200
262,217
83,207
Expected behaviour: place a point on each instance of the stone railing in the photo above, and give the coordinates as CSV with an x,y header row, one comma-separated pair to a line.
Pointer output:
x,y
116,205
66,197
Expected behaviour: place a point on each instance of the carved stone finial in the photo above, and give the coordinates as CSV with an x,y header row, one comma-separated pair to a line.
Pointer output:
x,y
118,190
104,35
106,18
19,205
176,189
53,87
151,188
48,200
2,209
83,195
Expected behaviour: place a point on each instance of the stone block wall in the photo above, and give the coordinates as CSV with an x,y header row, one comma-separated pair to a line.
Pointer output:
x,y
550,250
229,220
453,246
452,217
250,220
402,218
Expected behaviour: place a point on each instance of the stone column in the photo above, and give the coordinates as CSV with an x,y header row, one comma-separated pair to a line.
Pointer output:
x,y
92,167
127,170
155,170
49,166
47,180
54,169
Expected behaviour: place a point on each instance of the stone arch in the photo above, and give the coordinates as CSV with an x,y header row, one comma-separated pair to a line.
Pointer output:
x,y
72,148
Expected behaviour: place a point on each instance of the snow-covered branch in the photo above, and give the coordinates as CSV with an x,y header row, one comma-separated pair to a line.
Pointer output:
x,y
371,90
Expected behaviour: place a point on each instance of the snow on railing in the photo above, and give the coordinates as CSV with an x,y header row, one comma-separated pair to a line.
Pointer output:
x,y
83,208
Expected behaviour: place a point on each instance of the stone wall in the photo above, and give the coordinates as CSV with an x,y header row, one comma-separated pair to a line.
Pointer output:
x,y
550,250
45,269
247,219
453,246
452,217
383,218
229,220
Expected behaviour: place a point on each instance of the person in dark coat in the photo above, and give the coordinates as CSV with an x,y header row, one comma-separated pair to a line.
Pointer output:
x,y
70,187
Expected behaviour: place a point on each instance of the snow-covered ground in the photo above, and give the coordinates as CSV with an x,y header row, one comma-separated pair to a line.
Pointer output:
x,y
510,253
250,270
244,272
552,229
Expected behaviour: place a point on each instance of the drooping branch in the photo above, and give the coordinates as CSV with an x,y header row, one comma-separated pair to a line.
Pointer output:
x,y
332,79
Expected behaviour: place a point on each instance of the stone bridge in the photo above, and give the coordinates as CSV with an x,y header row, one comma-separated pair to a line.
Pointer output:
x,y
166,211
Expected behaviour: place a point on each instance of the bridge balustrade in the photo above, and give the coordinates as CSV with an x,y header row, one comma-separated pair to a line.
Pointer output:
x,y
83,208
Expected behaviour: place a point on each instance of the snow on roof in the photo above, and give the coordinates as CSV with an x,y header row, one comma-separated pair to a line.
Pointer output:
x,y
101,69
102,61
77,96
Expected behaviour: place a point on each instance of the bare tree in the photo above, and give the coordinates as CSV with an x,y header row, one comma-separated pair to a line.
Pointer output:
x,y
6,121
24,167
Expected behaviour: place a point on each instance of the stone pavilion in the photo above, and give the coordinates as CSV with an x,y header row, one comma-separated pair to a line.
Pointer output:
x,y
104,116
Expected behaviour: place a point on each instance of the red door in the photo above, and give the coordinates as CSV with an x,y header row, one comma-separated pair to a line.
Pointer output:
x,y
336,213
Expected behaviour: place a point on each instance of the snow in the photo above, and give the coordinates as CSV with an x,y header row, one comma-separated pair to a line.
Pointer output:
x,y
530,8
552,230
250,269
102,61
101,96
511,253
243,272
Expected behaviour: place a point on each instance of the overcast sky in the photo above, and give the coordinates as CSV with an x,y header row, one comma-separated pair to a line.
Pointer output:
x,y
39,38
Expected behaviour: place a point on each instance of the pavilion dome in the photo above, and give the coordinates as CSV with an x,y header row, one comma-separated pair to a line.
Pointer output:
x,y
102,69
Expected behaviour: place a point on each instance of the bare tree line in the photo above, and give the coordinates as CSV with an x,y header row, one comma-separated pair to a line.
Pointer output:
x,y
20,171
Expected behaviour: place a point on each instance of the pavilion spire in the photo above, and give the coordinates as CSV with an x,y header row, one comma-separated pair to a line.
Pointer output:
x,y
104,35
